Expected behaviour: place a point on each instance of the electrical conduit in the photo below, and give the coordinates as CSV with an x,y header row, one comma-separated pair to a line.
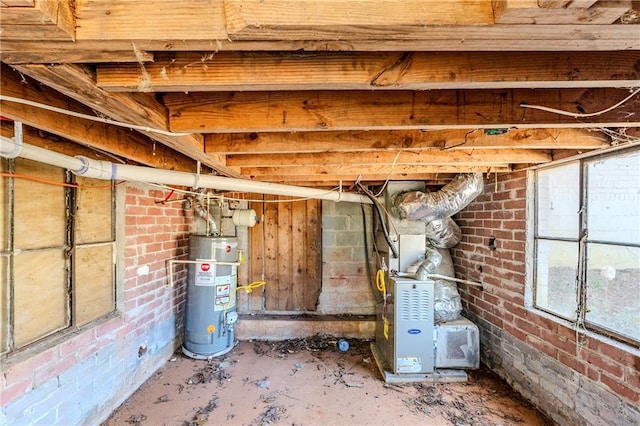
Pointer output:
x,y
83,166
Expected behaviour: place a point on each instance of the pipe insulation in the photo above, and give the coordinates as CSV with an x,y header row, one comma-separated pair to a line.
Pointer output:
x,y
105,170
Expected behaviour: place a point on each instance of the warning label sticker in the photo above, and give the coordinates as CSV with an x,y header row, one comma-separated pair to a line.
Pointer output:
x,y
408,364
223,290
205,274
221,303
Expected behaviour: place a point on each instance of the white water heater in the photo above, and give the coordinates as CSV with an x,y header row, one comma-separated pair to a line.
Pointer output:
x,y
210,311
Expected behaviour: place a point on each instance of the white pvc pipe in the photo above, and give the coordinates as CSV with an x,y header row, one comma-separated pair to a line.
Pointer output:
x,y
83,166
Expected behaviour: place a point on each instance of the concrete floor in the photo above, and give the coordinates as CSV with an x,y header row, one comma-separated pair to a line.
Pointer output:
x,y
308,382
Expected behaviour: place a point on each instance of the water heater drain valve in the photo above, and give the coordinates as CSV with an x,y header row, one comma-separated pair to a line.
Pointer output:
x,y
231,318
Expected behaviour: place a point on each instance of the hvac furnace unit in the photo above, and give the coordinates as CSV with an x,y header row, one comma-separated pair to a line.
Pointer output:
x,y
210,312
405,329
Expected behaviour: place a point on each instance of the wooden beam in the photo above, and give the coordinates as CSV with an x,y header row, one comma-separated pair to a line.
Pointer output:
x,y
355,19
493,38
238,112
77,82
243,71
533,12
167,20
471,157
366,173
115,140
348,182
74,56
355,141
44,19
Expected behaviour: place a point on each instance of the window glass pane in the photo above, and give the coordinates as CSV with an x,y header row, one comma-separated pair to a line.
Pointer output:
x,y
556,271
613,288
613,199
558,201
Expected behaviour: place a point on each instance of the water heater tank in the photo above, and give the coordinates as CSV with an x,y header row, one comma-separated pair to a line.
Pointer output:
x,y
210,312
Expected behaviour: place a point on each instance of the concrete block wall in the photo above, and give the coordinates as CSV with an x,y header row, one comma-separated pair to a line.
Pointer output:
x,y
85,374
345,282
576,378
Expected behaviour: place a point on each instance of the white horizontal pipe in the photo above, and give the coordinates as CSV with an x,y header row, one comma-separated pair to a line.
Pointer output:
x,y
106,170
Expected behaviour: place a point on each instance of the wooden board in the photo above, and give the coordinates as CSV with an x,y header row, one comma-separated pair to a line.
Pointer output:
x,y
112,139
78,82
260,71
292,254
355,19
553,12
94,211
297,111
39,294
39,209
4,244
143,19
355,141
4,304
93,282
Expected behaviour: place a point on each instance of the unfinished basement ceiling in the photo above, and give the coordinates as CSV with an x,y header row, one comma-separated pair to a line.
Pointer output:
x,y
323,93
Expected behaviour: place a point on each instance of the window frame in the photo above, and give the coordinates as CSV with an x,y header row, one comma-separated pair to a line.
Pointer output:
x,y
582,241
69,246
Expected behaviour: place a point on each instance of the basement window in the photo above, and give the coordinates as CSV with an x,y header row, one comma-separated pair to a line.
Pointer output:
x,y
57,244
587,243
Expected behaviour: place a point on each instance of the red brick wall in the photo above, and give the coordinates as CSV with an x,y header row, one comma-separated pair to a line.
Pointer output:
x,y
500,307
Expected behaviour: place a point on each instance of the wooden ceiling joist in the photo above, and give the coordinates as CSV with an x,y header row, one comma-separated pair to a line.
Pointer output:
x,y
357,141
355,19
77,82
469,157
559,12
28,20
328,175
238,112
495,38
256,71
106,138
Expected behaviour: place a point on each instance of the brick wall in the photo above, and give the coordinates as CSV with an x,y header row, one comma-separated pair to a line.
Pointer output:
x,y
591,381
345,284
83,376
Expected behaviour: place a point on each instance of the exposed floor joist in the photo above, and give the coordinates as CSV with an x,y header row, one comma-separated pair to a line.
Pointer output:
x,y
246,112
111,139
359,141
257,71
78,82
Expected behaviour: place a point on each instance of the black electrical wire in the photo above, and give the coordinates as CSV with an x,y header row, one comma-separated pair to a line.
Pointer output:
x,y
366,254
385,231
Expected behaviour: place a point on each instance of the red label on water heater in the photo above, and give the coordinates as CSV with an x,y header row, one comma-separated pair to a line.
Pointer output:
x,y
205,267
228,249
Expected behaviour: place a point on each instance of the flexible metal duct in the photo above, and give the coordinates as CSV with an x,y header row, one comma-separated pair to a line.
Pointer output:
x,y
429,206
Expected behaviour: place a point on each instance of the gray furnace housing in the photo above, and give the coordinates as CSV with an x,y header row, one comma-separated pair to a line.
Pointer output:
x,y
405,328
210,311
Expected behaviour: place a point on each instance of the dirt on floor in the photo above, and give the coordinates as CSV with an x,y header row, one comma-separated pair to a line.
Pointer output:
x,y
309,382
